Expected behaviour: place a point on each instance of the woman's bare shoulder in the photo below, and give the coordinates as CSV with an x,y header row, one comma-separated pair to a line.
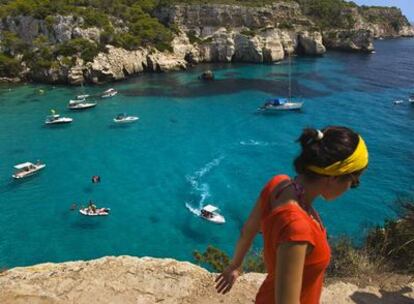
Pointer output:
x,y
283,194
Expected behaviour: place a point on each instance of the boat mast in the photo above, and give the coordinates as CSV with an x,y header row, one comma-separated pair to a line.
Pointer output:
x,y
290,80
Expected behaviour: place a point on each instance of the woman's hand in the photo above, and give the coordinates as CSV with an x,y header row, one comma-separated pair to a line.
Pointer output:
x,y
225,281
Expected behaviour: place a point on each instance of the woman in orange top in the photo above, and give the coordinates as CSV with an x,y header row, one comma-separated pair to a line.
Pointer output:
x,y
296,251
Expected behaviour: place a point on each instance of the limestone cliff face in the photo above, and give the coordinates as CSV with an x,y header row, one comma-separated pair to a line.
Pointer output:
x,y
130,280
190,17
356,41
59,28
206,33
384,22
227,33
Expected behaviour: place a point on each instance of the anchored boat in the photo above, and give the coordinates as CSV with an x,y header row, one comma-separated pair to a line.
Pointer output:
x,y
27,169
124,118
80,104
109,93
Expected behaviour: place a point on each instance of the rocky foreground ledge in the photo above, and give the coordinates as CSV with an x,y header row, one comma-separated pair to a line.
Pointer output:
x,y
127,280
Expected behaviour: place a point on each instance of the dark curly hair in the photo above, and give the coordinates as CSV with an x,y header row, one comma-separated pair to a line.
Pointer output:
x,y
337,143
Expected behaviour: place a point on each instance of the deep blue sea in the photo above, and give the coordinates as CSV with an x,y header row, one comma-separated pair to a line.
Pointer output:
x,y
195,143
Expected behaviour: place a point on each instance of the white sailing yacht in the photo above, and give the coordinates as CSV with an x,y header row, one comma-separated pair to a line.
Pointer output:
x,y
278,104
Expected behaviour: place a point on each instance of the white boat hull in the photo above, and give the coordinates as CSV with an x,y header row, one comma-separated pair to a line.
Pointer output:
x,y
289,106
62,120
98,212
81,106
126,120
217,219
108,95
25,174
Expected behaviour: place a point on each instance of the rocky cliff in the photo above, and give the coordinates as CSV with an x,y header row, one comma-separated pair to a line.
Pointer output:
x,y
66,49
147,280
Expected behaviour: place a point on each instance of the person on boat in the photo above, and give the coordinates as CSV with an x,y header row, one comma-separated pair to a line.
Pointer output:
x,y
206,214
91,206
296,250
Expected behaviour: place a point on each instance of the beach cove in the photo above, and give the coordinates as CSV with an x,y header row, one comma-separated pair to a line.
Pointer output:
x,y
195,143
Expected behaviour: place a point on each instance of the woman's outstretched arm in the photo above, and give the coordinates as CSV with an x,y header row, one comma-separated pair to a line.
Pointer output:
x,y
251,227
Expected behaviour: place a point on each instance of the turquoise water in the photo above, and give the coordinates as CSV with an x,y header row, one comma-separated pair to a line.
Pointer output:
x,y
195,143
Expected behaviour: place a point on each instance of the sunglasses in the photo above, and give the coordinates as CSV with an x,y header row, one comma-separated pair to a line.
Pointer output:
x,y
354,181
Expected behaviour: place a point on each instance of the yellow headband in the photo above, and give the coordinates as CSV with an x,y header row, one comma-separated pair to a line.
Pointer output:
x,y
358,160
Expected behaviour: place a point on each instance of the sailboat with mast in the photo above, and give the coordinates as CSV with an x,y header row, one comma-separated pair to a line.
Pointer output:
x,y
274,105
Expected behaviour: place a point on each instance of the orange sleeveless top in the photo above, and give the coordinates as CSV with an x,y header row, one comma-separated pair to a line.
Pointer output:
x,y
290,223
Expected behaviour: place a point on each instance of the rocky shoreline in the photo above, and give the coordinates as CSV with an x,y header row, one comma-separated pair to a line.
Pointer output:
x,y
203,34
130,280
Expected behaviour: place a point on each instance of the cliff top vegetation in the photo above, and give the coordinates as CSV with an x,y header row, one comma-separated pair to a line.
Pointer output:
x,y
132,24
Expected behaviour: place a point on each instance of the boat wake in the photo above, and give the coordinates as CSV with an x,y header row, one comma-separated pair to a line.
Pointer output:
x,y
252,142
199,188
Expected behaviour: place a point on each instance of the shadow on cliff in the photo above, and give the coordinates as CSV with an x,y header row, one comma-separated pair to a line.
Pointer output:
x,y
396,297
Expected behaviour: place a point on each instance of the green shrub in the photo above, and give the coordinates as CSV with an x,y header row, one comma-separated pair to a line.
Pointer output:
x,y
248,32
285,25
254,262
193,38
87,49
393,244
126,41
9,67
40,64
11,43
348,260
93,17
217,260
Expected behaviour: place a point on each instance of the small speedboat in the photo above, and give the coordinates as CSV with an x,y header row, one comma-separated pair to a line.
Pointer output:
x,y
124,118
397,102
98,212
280,104
411,100
109,93
210,213
55,119
82,96
27,169
80,104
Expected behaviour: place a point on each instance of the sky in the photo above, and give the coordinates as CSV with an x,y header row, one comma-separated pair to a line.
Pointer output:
x,y
406,6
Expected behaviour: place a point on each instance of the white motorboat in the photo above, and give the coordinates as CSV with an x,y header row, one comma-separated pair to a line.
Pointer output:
x,y
27,169
280,104
210,213
397,102
124,118
82,96
98,212
109,93
411,100
55,119
80,104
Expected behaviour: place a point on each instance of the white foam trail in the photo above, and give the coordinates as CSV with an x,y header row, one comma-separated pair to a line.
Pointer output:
x,y
193,210
202,188
252,142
